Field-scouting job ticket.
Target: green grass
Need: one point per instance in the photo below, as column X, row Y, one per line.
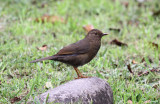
column 20, row 35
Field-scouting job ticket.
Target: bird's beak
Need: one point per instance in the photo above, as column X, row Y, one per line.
column 105, row 34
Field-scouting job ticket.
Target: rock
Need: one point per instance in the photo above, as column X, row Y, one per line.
column 80, row 91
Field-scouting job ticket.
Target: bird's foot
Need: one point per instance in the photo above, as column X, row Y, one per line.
column 79, row 74
column 82, row 76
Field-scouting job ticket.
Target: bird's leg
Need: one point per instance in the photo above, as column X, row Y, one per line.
column 79, row 74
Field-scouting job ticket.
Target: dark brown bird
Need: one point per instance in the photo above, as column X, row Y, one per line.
column 79, row 53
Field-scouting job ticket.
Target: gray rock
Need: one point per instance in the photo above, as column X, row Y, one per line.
column 80, row 91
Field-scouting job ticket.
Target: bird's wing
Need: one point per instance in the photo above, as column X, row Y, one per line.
column 79, row 47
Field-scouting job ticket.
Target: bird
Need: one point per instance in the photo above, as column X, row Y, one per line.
column 79, row 53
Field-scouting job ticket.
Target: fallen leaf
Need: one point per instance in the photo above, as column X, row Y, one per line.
column 156, row 13
column 115, row 29
column 129, row 102
column 158, row 35
column 149, row 59
column 139, row 73
column 52, row 19
column 54, row 34
column 133, row 22
column 48, row 85
column 156, row 85
column 10, row 76
column 87, row 28
column 44, row 5
column 148, row 101
column 15, row 99
column 118, row 43
column 34, row 2
column 125, row 4
column 129, row 68
column 147, row 72
column 134, row 62
column 43, row 48
column 154, row 44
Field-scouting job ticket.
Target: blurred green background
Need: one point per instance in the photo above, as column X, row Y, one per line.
column 134, row 22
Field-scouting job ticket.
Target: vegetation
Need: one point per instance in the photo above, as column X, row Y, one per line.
column 132, row 22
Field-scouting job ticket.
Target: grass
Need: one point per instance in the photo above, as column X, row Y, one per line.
column 20, row 35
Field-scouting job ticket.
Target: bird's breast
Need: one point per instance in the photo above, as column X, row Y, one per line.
column 95, row 46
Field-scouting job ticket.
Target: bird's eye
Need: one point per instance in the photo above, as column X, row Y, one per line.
column 96, row 34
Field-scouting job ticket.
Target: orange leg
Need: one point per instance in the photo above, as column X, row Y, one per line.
column 79, row 74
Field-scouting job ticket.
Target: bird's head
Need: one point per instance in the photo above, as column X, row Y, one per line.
column 95, row 34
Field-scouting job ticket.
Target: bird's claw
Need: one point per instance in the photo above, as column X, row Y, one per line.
column 82, row 76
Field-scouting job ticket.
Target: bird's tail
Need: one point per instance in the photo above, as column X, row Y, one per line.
column 45, row 58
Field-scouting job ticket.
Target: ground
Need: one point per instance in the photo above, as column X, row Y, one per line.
column 135, row 23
